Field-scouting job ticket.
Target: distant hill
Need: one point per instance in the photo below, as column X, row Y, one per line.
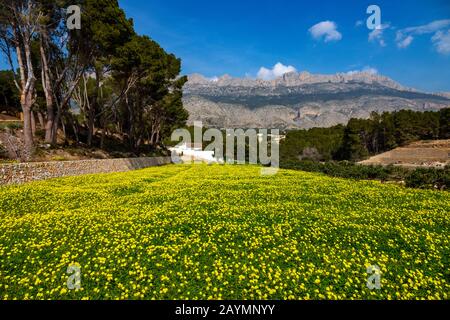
column 433, row 153
column 300, row 100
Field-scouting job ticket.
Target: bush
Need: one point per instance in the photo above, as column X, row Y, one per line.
column 429, row 178
column 423, row 178
column 341, row 169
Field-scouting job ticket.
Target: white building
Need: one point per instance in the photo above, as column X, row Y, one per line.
column 188, row 152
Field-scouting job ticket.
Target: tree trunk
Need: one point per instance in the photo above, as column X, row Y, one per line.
column 40, row 119
column 63, row 126
column 91, row 128
column 33, row 124
column 153, row 137
column 102, row 138
column 94, row 106
column 54, row 140
column 27, row 132
column 49, row 131
column 26, row 101
column 74, row 125
column 21, row 21
column 48, row 91
column 157, row 137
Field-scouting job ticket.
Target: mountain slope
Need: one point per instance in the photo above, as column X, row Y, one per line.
column 300, row 100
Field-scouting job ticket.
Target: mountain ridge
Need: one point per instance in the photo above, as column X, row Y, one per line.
column 297, row 78
column 300, row 100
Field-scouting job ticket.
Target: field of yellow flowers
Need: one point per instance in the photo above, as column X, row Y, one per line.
column 222, row 232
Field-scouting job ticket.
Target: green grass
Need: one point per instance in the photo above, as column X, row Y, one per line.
column 211, row 232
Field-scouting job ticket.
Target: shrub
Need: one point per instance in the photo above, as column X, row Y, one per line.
column 429, row 178
column 423, row 178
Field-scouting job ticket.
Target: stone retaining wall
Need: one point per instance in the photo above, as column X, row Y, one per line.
column 31, row 171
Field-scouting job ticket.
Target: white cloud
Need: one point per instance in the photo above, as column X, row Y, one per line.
column 441, row 41
column 370, row 70
column 428, row 28
column 405, row 36
column 404, row 43
column 377, row 35
column 326, row 30
column 359, row 23
column 278, row 70
column 366, row 69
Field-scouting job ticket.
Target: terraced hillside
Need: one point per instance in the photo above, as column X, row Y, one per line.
column 433, row 153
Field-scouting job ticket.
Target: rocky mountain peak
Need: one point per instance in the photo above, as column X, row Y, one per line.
column 300, row 99
column 294, row 79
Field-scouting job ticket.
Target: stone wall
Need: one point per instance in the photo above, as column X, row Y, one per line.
column 31, row 171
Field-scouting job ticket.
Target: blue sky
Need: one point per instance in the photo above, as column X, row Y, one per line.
column 239, row 37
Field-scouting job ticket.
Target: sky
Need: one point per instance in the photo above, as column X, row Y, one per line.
column 266, row 38
column 248, row 38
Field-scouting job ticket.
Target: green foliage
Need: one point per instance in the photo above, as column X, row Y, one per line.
column 423, row 178
column 353, row 146
column 412, row 126
column 104, row 29
column 325, row 140
column 363, row 137
column 341, row 169
column 9, row 95
column 428, row 178
column 101, row 83
column 444, row 124
column 152, row 107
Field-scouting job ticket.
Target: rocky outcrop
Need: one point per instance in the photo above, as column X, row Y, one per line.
column 293, row 79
